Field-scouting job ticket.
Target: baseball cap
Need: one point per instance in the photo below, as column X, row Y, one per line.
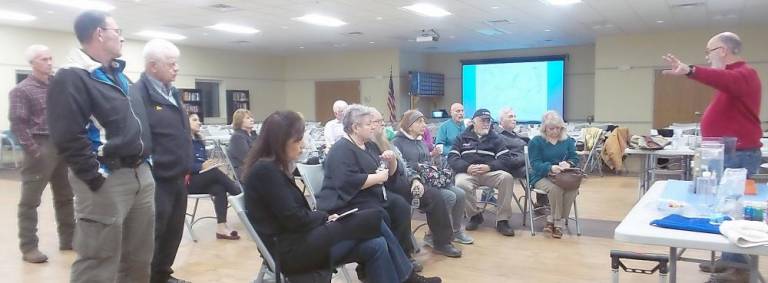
column 482, row 112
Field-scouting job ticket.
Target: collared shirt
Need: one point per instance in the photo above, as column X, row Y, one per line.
column 333, row 131
column 166, row 91
column 447, row 134
column 28, row 111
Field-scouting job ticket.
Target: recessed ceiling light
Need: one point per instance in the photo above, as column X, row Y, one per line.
column 160, row 34
column 547, row 30
column 301, row 47
column 16, row 16
column 561, row 2
column 320, row 20
column 82, row 4
column 49, row 12
column 205, row 34
column 379, row 18
column 234, row 28
column 284, row 27
column 371, row 42
column 428, row 10
column 495, row 7
column 659, row 22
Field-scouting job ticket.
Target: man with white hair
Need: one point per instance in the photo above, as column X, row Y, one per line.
column 42, row 163
column 171, row 151
column 451, row 129
column 480, row 158
column 734, row 111
column 333, row 128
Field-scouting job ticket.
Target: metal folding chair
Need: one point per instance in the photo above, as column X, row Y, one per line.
column 529, row 201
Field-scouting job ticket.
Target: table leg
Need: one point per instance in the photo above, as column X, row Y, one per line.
column 643, row 177
column 754, row 274
column 672, row 264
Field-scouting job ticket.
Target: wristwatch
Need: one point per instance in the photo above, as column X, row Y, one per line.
column 690, row 70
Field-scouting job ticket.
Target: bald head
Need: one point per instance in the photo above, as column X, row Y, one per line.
column 457, row 112
column 729, row 40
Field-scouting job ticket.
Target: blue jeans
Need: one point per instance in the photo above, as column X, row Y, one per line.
column 749, row 159
column 382, row 257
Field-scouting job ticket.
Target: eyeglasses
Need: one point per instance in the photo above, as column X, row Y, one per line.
column 712, row 50
column 118, row 31
column 379, row 121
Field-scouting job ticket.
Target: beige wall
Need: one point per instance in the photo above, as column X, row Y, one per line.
column 624, row 70
column 260, row 74
column 579, row 76
column 370, row 67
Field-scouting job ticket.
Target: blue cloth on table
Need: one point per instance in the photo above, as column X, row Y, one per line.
column 679, row 222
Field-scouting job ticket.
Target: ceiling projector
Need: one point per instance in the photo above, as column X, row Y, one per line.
column 428, row 35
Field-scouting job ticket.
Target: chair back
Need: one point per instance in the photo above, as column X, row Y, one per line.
column 238, row 204
column 312, row 177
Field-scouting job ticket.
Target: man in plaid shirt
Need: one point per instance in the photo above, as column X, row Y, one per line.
column 42, row 163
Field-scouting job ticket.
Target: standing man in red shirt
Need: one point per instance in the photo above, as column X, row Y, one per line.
column 42, row 163
column 734, row 111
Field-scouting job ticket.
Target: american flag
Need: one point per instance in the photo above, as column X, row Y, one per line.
column 391, row 100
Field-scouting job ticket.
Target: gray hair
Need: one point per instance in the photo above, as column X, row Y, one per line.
column 551, row 118
column 159, row 49
column 730, row 40
column 33, row 51
column 353, row 115
column 339, row 105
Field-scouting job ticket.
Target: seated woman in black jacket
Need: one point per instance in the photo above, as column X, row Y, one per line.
column 241, row 140
column 356, row 172
column 206, row 178
column 302, row 240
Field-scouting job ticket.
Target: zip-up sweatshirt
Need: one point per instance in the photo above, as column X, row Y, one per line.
column 92, row 116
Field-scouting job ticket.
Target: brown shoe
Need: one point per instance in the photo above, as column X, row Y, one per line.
column 231, row 236
column 557, row 233
column 34, row 256
column 549, row 228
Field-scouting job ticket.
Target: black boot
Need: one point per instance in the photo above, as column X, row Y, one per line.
column 474, row 222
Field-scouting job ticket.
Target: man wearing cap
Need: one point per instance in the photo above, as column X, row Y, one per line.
column 479, row 156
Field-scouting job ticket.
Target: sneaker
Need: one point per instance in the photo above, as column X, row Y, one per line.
column 549, row 228
column 733, row 275
column 462, row 238
column 474, row 222
column 177, row 280
column 415, row 278
column 34, row 256
column 417, row 267
column 447, row 250
column 718, row 267
column 428, row 240
column 503, row 228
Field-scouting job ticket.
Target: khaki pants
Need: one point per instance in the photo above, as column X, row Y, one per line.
column 36, row 173
column 560, row 201
column 501, row 180
column 114, row 234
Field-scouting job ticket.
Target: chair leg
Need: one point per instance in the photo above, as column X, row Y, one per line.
column 260, row 275
column 191, row 222
column 576, row 218
column 530, row 211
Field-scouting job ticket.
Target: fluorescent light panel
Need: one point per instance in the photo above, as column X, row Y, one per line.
column 160, row 34
column 320, row 20
column 16, row 16
column 561, row 2
column 233, row 28
column 426, row 9
column 82, row 4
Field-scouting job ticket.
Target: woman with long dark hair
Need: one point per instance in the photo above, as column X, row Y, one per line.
column 303, row 240
column 206, row 178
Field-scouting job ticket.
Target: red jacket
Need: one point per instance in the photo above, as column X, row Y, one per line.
column 735, row 109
